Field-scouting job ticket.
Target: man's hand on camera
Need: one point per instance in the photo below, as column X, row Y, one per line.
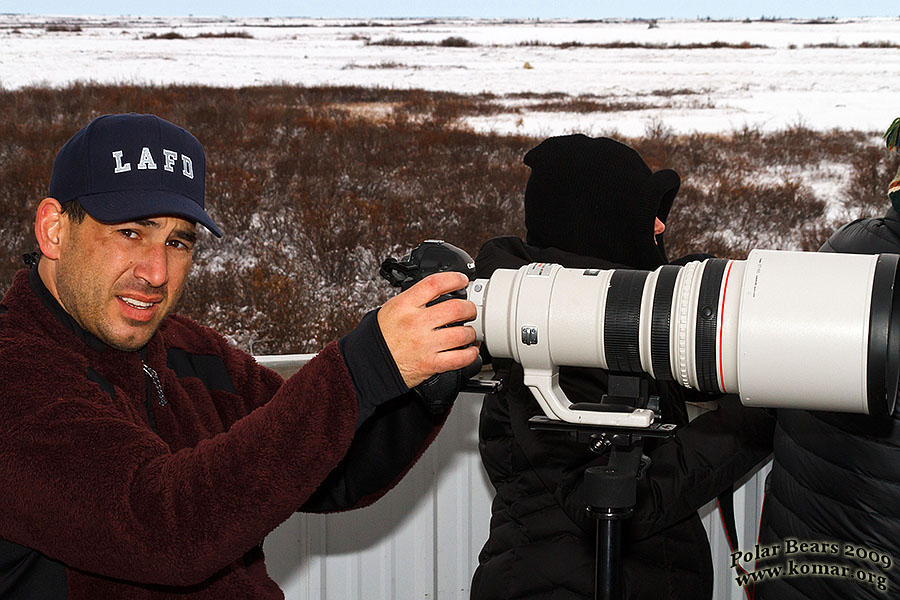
column 415, row 333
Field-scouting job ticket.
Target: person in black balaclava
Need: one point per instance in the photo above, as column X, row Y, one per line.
column 594, row 203
column 597, row 198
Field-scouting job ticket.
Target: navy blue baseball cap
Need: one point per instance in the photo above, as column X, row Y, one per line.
column 130, row 167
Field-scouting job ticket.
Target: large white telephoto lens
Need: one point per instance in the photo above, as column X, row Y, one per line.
column 816, row 331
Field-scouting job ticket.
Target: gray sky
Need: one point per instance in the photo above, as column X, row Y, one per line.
column 545, row 9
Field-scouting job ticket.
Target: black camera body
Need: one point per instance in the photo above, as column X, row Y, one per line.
column 435, row 256
column 429, row 257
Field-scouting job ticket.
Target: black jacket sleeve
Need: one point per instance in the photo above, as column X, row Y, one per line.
column 393, row 428
column 375, row 375
column 703, row 459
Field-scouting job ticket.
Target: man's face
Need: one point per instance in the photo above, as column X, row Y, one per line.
column 119, row 281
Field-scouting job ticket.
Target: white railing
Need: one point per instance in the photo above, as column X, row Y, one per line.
column 421, row 540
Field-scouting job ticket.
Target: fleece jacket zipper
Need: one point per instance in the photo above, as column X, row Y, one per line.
column 152, row 382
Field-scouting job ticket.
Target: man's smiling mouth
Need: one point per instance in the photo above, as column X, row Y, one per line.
column 134, row 303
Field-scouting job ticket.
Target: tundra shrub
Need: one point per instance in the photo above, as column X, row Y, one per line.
column 314, row 187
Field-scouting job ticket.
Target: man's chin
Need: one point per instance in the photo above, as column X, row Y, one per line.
column 133, row 339
column 127, row 345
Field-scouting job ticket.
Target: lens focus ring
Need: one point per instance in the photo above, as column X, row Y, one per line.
column 660, row 327
column 621, row 337
column 682, row 320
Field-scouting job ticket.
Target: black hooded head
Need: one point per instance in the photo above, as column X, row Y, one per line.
column 597, row 197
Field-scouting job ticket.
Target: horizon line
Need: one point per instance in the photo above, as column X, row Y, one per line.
column 824, row 19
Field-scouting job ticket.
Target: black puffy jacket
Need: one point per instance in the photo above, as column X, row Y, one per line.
column 541, row 543
column 836, row 478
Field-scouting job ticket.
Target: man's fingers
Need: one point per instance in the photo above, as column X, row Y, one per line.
column 434, row 285
column 455, row 359
column 450, row 311
column 453, row 337
column 416, row 335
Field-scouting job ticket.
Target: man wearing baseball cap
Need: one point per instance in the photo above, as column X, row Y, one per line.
column 143, row 457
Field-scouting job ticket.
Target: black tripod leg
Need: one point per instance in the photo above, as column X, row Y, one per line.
column 611, row 495
column 608, row 574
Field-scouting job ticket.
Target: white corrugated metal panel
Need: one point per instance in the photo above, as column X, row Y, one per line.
column 748, row 499
column 421, row 540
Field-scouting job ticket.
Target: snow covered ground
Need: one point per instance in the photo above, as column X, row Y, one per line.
column 808, row 73
column 785, row 82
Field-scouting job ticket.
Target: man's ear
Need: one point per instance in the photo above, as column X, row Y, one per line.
column 48, row 223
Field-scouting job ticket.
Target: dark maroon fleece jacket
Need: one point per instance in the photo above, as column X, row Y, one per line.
column 101, row 499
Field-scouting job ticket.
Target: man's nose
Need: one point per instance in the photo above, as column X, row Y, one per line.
column 153, row 266
column 658, row 227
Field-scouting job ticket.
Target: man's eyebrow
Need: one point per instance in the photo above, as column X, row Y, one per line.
column 188, row 235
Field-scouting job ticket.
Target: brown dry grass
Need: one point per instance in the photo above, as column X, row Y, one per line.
column 312, row 192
